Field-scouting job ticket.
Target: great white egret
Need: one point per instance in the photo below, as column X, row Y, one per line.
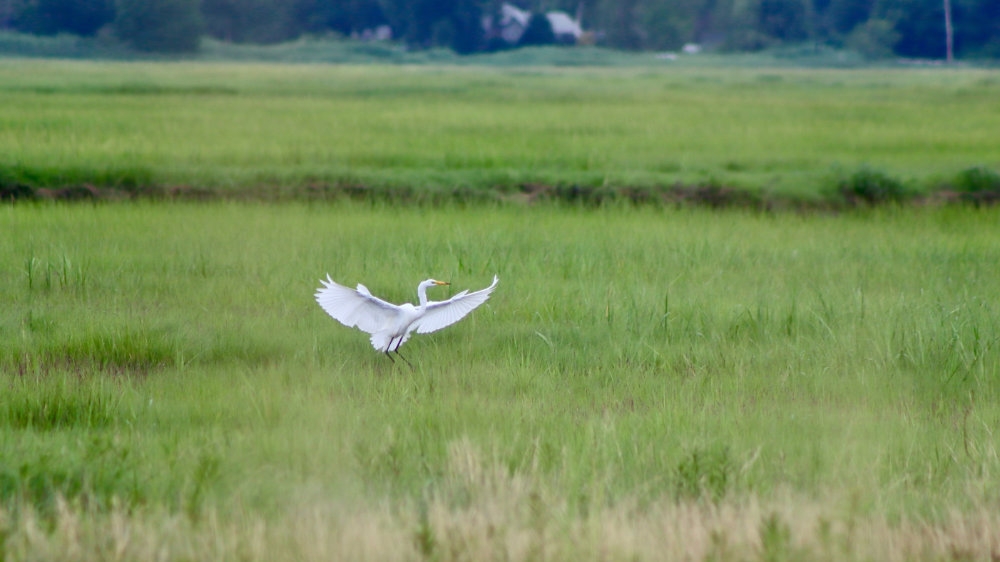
column 389, row 324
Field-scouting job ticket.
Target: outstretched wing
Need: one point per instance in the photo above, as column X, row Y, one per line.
column 357, row 307
column 445, row 313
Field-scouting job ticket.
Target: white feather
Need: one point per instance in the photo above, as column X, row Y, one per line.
column 355, row 307
column 445, row 313
column 390, row 325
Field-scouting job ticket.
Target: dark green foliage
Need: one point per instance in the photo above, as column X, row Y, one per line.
column 842, row 16
column 12, row 190
column 80, row 17
column 167, row 26
column 249, row 21
column 978, row 185
column 920, row 24
column 979, row 29
column 538, row 32
column 623, row 26
column 430, row 23
column 468, row 35
column 782, row 19
column 345, row 17
column 919, row 27
column 872, row 187
column 19, row 182
column 766, row 23
column 668, row 26
column 875, row 38
column 977, row 179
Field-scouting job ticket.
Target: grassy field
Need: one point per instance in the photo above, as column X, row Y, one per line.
column 259, row 127
column 645, row 384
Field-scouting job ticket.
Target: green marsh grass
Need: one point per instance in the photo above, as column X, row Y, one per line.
column 644, row 384
column 254, row 127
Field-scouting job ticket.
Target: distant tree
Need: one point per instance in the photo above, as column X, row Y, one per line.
column 711, row 24
column 977, row 26
column 668, row 25
column 757, row 24
column 46, row 17
column 414, row 21
column 874, row 38
column 345, row 16
column 249, row 21
column 445, row 23
column 467, row 22
column 919, row 23
column 169, row 26
column 538, row 32
column 842, row 16
column 621, row 21
column 782, row 19
column 743, row 32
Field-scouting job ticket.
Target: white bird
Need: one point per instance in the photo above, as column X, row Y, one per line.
column 390, row 325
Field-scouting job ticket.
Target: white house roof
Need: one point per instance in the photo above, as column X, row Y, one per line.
column 514, row 21
column 563, row 24
column 510, row 13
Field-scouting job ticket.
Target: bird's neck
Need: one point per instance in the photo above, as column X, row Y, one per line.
column 422, row 294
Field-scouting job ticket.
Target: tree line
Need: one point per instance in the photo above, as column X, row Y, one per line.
column 908, row 28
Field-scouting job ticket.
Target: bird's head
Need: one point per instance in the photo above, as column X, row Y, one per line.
column 424, row 285
column 433, row 282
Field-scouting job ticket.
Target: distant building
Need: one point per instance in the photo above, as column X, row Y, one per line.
column 565, row 28
column 512, row 22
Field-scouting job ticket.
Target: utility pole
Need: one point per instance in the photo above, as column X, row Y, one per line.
column 948, row 33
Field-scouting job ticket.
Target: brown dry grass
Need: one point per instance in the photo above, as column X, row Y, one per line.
column 490, row 514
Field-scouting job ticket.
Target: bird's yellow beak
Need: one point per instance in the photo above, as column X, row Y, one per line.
column 441, row 283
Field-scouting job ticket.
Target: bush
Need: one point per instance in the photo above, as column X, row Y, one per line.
column 872, row 187
column 978, row 179
column 12, row 191
column 163, row 26
column 979, row 186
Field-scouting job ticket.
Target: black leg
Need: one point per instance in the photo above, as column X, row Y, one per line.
column 400, row 355
column 388, row 348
